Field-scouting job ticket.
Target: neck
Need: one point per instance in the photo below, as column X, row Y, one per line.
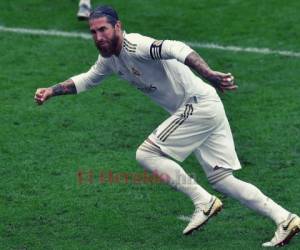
column 119, row 45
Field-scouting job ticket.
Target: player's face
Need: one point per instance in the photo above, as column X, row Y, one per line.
column 106, row 36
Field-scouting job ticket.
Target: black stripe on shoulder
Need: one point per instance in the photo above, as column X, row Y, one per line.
column 129, row 49
column 129, row 43
column 155, row 49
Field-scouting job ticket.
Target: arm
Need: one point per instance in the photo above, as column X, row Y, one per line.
column 75, row 84
column 150, row 49
column 178, row 50
column 219, row 80
column 65, row 88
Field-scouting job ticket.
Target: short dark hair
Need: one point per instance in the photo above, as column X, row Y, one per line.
column 105, row 11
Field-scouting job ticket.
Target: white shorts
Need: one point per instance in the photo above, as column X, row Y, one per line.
column 199, row 126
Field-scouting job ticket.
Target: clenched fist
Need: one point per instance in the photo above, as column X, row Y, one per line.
column 42, row 94
column 222, row 81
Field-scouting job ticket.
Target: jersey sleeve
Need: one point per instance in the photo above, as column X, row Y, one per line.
column 93, row 77
column 163, row 49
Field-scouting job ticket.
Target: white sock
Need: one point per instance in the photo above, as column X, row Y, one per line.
column 158, row 163
column 85, row 2
column 251, row 197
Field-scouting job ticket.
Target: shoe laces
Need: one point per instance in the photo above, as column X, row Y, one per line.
column 196, row 212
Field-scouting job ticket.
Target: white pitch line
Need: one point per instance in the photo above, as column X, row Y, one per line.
column 184, row 218
column 82, row 35
column 265, row 51
column 46, row 32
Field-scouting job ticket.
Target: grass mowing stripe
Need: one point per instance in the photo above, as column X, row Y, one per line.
column 82, row 35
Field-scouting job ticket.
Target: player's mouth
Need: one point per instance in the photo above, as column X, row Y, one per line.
column 104, row 48
column 103, row 45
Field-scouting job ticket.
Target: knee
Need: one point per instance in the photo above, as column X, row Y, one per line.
column 219, row 187
column 222, row 185
column 140, row 155
column 219, row 178
column 143, row 154
column 147, row 151
column 235, row 188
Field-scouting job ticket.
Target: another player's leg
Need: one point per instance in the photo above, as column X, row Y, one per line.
column 153, row 159
column 84, row 10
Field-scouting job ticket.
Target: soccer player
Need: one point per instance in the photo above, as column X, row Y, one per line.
column 84, row 10
column 197, row 122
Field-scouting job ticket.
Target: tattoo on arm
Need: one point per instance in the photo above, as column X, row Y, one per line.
column 64, row 88
column 195, row 61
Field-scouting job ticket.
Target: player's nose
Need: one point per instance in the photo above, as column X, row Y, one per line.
column 99, row 37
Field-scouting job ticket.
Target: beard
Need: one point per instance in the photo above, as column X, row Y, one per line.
column 108, row 48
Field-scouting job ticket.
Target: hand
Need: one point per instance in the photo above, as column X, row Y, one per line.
column 42, row 94
column 222, row 81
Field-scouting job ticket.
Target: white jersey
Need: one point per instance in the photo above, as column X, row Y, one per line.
column 155, row 67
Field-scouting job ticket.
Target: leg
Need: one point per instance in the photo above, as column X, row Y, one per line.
column 251, row 197
column 85, row 2
column 153, row 159
column 177, row 137
column 288, row 224
column 84, row 10
column 219, row 151
column 218, row 159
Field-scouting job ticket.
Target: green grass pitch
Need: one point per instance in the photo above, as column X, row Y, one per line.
column 42, row 149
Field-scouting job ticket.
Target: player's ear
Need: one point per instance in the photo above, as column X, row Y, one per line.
column 118, row 26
